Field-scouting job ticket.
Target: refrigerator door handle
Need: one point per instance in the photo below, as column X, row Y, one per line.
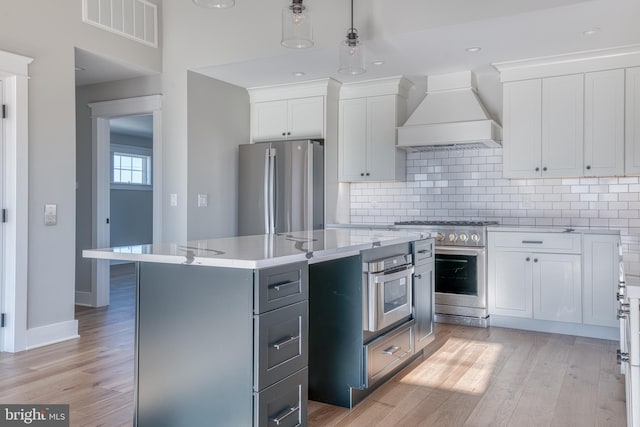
column 267, row 209
column 272, row 191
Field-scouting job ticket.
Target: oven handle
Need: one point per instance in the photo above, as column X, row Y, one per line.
column 381, row 278
column 453, row 250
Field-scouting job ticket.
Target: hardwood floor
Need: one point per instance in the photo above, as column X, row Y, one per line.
column 471, row 377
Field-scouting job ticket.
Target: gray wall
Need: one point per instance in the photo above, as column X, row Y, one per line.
column 218, row 121
column 84, row 95
column 131, row 211
column 48, row 31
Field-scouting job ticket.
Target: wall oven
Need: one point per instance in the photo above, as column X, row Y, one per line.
column 388, row 292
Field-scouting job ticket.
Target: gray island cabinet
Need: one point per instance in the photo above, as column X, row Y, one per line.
column 222, row 325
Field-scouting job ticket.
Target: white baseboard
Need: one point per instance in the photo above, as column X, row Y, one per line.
column 51, row 334
column 577, row 329
column 85, row 298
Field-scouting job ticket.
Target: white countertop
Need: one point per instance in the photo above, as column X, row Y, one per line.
column 261, row 250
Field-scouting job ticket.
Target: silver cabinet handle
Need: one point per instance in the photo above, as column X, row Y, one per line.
column 280, row 286
column 285, row 342
column 285, row 414
column 391, row 350
column 418, row 276
column 532, row 242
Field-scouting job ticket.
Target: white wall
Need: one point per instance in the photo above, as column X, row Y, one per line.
column 48, row 32
column 141, row 86
column 218, row 121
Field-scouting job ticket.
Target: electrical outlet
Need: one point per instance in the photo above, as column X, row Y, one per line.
column 527, row 203
column 50, row 214
column 203, row 200
column 173, row 199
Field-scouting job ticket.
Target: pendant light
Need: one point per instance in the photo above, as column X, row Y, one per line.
column 352, row 52
column 297, row 32
column 218, row 4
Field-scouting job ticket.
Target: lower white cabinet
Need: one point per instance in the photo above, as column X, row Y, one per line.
column 542, row 286
column 600, row 266
column 557, row 287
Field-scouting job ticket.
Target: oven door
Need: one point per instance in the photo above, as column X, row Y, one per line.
column 460, row 277
column 390, row 298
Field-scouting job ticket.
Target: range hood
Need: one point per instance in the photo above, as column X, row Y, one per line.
column 451, row 116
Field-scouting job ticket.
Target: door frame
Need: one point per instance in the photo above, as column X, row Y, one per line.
column 14, row 74
column 101, row 113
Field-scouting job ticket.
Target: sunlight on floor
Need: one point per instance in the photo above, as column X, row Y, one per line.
column 476, row 360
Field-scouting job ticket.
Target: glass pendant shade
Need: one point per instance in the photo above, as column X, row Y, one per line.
column 352, row 54
column 218, row 4
column 297, row 31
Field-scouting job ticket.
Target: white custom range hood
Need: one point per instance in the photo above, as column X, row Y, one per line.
column 450, row 116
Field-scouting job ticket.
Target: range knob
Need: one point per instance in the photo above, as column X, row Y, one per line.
column 452, row 237
column 475, row 238
column 439, row 237
column 464, row 237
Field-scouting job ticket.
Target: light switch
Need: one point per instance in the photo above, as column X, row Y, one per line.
column 173, row 199
column 203, row 200
column 50, row 214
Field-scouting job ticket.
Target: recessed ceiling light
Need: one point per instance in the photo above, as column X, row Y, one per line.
column 473, row 49
column 377, row 63
column 79, row 68
column 298, row 73
column 591, row 31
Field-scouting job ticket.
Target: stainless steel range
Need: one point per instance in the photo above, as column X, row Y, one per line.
column 460, row 269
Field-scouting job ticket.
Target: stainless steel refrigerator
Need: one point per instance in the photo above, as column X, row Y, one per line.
column 281, row 186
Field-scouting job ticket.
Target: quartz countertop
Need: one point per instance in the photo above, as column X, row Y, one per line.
column 261, row 250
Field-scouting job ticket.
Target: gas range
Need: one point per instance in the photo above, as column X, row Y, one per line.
column 453, row 233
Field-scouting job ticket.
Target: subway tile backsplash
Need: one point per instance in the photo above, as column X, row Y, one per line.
column 468, row 185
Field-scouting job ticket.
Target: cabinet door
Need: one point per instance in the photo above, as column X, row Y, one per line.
column 522, row 129
column 562, row 125
column 604, row 123
column 381, row 137
column 269, row 120
column 600, row 279
column 510, row 283
column 306, row 118
column 557, row 287
column 352, row 139
column 632, row 122
column 423, row 304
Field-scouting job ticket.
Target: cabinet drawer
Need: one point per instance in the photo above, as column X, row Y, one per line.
column 537, row 242
column 385, row 353
column 280, row 344
column 423, row 251
column 280, row 286
column 283, row 404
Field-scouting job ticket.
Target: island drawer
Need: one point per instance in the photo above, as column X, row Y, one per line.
column 422, row 251
column 283, row 404
column 280, row 344
column 385, row 353
column 280, row 286
column 537, row 242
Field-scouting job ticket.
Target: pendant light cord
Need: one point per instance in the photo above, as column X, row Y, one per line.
column 351, row 14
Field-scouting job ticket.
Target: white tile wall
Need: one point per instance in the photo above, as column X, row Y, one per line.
column 468, row 185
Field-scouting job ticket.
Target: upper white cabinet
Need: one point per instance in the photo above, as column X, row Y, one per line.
column 369, row 113
column 572, row 116
column 543, row 127
column 632, row 114
column 288, row 119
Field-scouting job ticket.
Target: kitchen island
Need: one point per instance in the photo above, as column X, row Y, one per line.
column 222, row 324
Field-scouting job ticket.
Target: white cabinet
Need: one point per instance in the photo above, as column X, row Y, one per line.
column 510, row 283
column 369, row 113
column 535, row 276
column 604, row 123
column 288, row 119
column 557, row 287
column 543, row 127
column 600, row 260
column 632, row 114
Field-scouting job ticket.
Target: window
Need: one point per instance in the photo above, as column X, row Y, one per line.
column 130, row 166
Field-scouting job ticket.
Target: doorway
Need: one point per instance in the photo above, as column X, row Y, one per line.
column 102, row 116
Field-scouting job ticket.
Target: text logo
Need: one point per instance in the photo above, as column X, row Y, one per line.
column 34, row 415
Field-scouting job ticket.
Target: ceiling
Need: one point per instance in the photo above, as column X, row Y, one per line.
column 416, row 38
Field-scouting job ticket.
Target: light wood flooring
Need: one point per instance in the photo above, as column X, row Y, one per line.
column 471, row 377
